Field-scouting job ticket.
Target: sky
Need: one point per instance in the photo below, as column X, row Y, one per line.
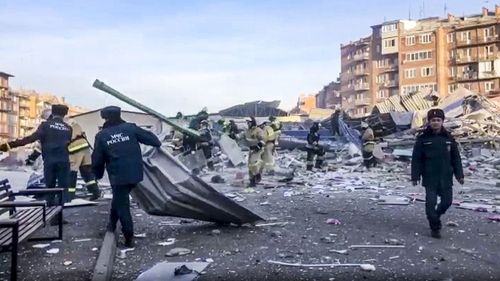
column 183, row 55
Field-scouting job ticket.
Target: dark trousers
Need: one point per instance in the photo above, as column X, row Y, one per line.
column 368, row 159
column 432, row 211
column 56, row 173
column 319, row 153
column 207, row 151
column 120, row 210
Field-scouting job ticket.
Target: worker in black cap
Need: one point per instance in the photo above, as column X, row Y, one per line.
column 54, row 136
column 435, row 160
column 117, row 149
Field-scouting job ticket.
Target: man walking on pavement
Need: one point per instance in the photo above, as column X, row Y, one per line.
column 368, row 140
column 80, row 160
column 254, row 137
column 314, row 149
column 435, row 160
column 54, row 136
column 117, row 149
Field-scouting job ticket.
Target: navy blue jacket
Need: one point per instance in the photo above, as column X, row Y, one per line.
column 436, row 159
column 117, row 148
column 54, row 136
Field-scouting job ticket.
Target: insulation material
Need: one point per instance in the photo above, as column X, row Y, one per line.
column 169, row 189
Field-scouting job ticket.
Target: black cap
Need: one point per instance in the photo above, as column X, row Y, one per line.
column 110, row 112
column 435, row 112
column 59, row 109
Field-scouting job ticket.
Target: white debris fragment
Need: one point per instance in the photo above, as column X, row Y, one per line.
column 367, row 267
column 53, row 251
column 82, row 240
column 95, row 249
column 209, row 260
column 170, row 241
column 40, row 246
column 342, row 252
column 140, row 235
column 68, row 263
column 123, row 253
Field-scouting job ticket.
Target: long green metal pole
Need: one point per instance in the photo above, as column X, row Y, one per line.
column 107, row 89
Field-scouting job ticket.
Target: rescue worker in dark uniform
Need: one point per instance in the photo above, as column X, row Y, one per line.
column 206, row 144
column 233, row 130
column 335, row 123
column 314, row 149
column 117, row 149
column 54, row 136
column 435, row 160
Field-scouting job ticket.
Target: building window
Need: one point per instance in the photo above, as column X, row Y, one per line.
column 426, row 71
column 451, row 71
column 488, row 66
column 450, row 37
column 488, row 50
column 410, row 73
column 488, row 86
column 389, row 27
column 410, row 40
column 381, row 63
column 388, row 43
column 452, row 88
column 426, row 38
column 378, row 48
column 466, row 35
column 422, row 55
column 381, row 94
column 489, row 32
column 451, row 54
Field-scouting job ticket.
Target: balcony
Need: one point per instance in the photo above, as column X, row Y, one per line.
column 465, row 60
column 467, row 77
column 389, row 84
column 488, row 74
column 24, row 104
column 363, row 56
column 362, row 102
column 488, row 57
column 390, row 68
column 465, row 43
column 361, row 87
column 361, row 72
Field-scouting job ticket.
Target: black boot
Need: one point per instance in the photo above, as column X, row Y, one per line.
column 309, row 167
column 94, row 190
column 436, row 233
column 129, row 242
column 258, row 178
column 252, row 181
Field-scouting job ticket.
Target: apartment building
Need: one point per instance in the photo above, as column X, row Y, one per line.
column 8, row 101
column 475, row 56
column 355, row 76
column 329, row 97
column 425, row 55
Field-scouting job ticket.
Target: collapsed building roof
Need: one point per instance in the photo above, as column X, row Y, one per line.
column 255, row 108
column 409, row 102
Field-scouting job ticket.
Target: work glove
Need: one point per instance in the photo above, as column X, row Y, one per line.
column 29, row 162
column 4, row 147
column 461, row 181
column 414, row 183
column 260, row 145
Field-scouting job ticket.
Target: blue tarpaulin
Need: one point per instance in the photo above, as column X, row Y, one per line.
column 351, row 135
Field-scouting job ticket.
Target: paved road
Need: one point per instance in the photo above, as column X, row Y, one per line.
column 470, row 251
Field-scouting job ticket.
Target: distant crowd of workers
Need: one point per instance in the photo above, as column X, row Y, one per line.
column 66, row 151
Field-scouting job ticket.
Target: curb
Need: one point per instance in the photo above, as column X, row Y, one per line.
column 103, row 270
